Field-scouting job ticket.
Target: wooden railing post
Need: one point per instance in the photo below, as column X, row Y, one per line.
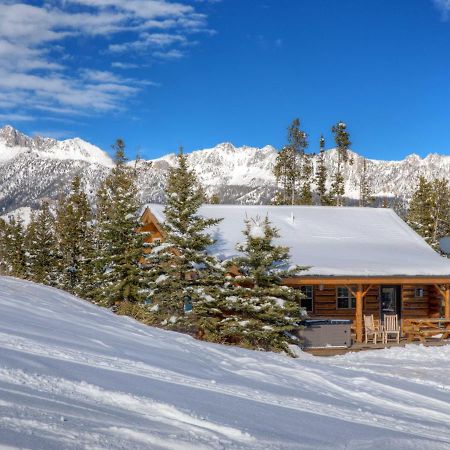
column 359, row 314
column 447, row 302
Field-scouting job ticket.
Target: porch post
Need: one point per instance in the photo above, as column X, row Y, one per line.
column 359, row 314
column 447, row 302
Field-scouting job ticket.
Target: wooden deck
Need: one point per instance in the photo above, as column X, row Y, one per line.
column 333, row 351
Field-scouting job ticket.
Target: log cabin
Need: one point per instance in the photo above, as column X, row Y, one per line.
column 359, row 261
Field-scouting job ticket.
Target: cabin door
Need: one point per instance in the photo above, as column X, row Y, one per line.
column 390, row 301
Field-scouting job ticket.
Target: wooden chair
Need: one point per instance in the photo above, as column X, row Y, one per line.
column 391, row 327
column 372, row 328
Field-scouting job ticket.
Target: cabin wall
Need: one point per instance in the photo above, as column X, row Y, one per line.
column 429, row 305
column 416, row 307
column 325, row 303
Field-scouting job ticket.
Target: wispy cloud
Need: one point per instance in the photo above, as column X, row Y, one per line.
column 444, row 7
column 16, row 118
column 39, row 70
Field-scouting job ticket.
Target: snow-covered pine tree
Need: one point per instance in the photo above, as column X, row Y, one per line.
column 365, row 188
column 13, row 247
column 119, row 246
column 342, row 140
column 255, row 309
column 74, row 235
column 321, row 175
column 181, row 270
column 41, row 247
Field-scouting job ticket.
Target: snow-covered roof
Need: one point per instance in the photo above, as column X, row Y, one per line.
column 344, row 241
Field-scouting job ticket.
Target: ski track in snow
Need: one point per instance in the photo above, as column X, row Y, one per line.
column 76, row 376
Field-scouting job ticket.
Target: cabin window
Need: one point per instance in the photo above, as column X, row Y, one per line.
column 156, row 241
column 418, row 292
column 345, row 299
column 308, row 297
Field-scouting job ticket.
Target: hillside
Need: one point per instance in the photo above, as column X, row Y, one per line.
column 35, row 168
column 73, row 375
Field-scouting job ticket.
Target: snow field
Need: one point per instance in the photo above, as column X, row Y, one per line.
column 73, row 375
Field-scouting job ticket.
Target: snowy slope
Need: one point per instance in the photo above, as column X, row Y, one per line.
column 76, row 376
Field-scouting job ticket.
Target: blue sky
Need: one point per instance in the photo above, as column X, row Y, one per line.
column 161, row 74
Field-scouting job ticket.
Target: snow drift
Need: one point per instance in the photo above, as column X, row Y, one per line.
column 73, row 375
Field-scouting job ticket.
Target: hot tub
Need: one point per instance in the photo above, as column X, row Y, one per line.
column 319, row 333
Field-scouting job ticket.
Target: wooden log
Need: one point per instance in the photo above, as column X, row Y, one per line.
column 447, row 303
column 359, row 314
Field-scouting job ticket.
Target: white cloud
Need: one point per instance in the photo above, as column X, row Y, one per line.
column 121, row 65
column 16, row 118
column 444, row 7
column 170, row 54
column 38, row 70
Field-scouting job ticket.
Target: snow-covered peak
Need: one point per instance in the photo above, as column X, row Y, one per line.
column 226, row 164
column 14, row 143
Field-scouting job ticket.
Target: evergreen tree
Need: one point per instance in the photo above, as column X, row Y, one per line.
column 298, row 142
column 119, row 245
column 441, row 211
column 419, row 216
column 255, row 309
column 321, row 175
column 41, row 247
column 286, row 173
column 429, row 210
column 180, row 268
column 3, row 250
column 365, row 189
column 13, row 247
column 293, row 168
column 342, row 140
column 74, row 233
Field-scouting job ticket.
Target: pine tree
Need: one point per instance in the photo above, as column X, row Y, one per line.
column 256, row 310
column 298, row 141
column 119, row 245
column 286, row 172
column 429, row 210
column 293, row 168
column 3, row 248
column 365, row 189
column 13, row 247
column 441, row 211
column 41, row 247
column 321, row 175
column 180, row 268
column 74, row 234
column 419, row 216
column 342, row 140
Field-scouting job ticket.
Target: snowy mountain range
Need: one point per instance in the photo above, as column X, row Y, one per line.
column 34, row 168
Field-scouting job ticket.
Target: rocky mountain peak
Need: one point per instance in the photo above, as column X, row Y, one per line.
column 13, row 137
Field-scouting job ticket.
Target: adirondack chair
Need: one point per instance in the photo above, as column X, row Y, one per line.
column 391, row 327
column 372, row 328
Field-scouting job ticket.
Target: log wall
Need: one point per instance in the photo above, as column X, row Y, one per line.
column 324, row 302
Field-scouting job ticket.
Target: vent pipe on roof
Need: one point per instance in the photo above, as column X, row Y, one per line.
column 292, row 217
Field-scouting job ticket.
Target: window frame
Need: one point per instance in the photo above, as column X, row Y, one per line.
column 351, row 300
column 307, row 298
column 419, row 290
